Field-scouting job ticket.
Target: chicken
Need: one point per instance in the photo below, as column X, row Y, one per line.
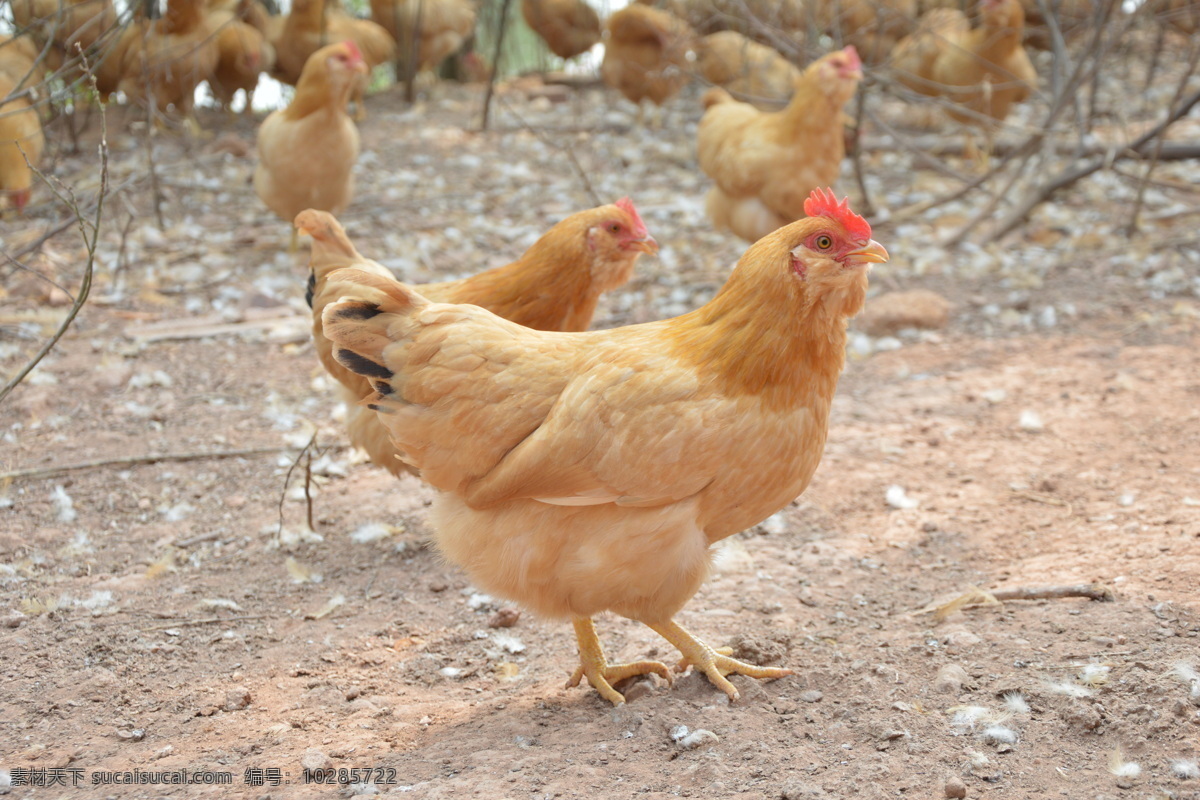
column 872, row 26
column 569, row 27
column 243, row 55
column 647, row 54
column 312, row 24
column 306, row 152
column 554, row 286
column 765, row 21
column 66, row 24
column 589, row 472
column 445, row 26
column 746, row 69
column 982, row 71
column 21, row 144
column 765, row 164
column 163, row 61
column 21, row 61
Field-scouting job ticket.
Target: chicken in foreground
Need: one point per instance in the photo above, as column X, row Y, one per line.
column 765, row 164
column 554, row 286
column 21, row 144
column 982, row 71
column 647, row 55
column 591, row 472
column 569, row 27
column 306, row 152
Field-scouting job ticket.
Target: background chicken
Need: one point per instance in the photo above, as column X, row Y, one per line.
column 982, row 71
column 872, row 26
column 306, row 152
column 750, row 71
column 21, row 62
column 765, row 164
column 647, row 54
column 569, row 27
column 243, row 55
column 21, row 144
column 66, row 24
column 313, row 24
column 554, row 286
column 590, row 472
column 164, row 60
column 765, row 21
column 445, row 27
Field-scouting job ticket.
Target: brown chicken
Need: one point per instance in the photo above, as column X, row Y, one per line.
column 445, row 27
column 163, row 61
column 982, row 71
column 591, row 472
column 313, row 24
column 647, row 55
column 554, row 286
column 749, row 71
column 872, row 26
column 67, row 23
column 21, row 144
column 765, row 164
column 21, row 61
column 244, row 54
column 569, row 27
column 306, row 152
column 765, row 21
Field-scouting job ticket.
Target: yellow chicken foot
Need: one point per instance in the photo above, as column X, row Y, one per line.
column 716, row 664
column 600, row 674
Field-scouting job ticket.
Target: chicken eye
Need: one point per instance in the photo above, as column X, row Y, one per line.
column 824, row 242
column 614, row 227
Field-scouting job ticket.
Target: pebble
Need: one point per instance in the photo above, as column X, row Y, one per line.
column 638, row 690
column 1031, row 422
column 811, row 696
column 697, row 738
column 504, row 618
column 955, row 788
column 314, row 760
column 950, row 679
column 237, row 698
column 893, row 312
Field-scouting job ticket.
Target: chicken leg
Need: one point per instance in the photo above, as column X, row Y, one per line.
column 602, row 675
column 715, row 664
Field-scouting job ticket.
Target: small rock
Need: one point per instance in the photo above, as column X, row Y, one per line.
column 892, row 312
column 950, row 679
column 1031, row 422
column 697, row 738
column 811, row 696
column 638, row 690
column 237, row 698
column 438, row 586
column 314, row 760
column 955, row 788
column 504, row 618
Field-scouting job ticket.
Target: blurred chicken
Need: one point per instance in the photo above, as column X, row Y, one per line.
column 445, row 27
column 569, row 27
column 769, row 22
column 312, row 24
column 164, row 60
column 591, row 472
column 872, row 26
column 765, row 164
column 983, row 71
column 21, row 61
column 306, row 152
column 554, row 286
column 1183, row 15
column 21, row 144
column 67, row 24
column 746, row 69
column 244, row 55
column 647, row 55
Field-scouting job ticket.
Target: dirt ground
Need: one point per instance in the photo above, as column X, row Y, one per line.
column 154, row 616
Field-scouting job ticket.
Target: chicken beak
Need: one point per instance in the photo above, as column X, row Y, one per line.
column 870, row 253
column 644, row 245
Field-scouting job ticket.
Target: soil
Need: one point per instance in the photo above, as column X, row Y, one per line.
column 169, row 609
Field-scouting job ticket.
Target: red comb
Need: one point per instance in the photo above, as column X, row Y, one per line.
column 823, row 203
column 852, row 54
column 626, row 205
column 353, row 48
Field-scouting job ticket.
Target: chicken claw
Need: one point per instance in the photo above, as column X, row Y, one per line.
column 602, row 675
column 716, row 664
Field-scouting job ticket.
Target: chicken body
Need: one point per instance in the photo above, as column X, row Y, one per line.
column 21, row 62
column 982, row 70
column 21, row 144
column 872, row 26
column 585, row 472
column 569, row 27
column 306, row 152
column 765, row 164
column 445, row 27
column 66, row 24
column 243, row 53
column 747, row 69
column 646, row 54
column 554, row 286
